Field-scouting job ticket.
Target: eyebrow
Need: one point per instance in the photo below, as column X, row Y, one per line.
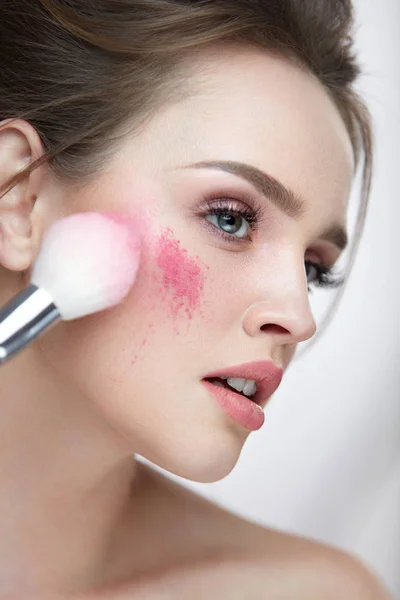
column 284, row 198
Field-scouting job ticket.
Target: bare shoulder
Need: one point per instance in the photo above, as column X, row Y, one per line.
column 274, row 564
column 240, row 560
column 294, row 567
column 307, row 572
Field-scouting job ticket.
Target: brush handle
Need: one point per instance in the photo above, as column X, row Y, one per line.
column 21, row 320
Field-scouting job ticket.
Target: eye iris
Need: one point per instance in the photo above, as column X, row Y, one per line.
column 309, row 271
column 230, row 223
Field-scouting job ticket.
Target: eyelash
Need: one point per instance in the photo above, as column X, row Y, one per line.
column 325, row 276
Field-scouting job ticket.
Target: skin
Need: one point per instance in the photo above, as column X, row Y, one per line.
column 80, row 402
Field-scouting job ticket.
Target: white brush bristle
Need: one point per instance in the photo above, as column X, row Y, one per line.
column 88, row 262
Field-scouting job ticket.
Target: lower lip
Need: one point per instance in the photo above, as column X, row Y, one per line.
column 245, row 412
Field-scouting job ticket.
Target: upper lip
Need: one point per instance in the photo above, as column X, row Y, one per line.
column 264, row 372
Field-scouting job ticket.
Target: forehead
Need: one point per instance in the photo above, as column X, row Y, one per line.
column 247, row 105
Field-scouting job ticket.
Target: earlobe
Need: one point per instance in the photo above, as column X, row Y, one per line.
column 15, row 242
column 19, row 145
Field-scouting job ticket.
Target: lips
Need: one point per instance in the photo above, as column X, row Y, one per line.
column 264, row 372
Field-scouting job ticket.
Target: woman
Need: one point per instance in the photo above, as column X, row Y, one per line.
column 231, row 131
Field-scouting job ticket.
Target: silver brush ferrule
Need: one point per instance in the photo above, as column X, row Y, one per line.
column 24, row 318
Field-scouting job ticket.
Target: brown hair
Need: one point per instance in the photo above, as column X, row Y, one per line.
column 80, row 70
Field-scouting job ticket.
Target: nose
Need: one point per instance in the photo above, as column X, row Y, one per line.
column 286, row 317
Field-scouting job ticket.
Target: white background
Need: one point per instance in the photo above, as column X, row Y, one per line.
column 326, row 463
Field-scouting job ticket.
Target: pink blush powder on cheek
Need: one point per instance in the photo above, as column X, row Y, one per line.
column 182, row 274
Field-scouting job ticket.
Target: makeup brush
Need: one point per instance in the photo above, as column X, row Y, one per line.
column 87, row 263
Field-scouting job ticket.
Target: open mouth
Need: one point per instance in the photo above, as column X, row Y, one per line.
column 255, row 381
column 243, row 387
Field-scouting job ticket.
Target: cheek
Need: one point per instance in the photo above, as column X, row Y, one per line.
column 180, row 277
column 173, row 296
column 165, row 300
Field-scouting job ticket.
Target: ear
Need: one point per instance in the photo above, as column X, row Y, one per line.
column 20, row 144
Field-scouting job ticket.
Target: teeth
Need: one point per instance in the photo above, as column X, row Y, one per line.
column 247, row 386
column 219, row 383
column 237, row 383
column 250, row 388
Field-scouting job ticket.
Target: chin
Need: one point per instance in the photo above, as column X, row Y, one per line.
column 204, row 459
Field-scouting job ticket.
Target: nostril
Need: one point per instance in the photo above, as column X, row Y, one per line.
column 272, row 328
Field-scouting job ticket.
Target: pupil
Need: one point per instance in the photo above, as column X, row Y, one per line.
column 230, row 223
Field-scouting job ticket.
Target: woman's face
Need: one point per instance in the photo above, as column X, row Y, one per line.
column 214, row 289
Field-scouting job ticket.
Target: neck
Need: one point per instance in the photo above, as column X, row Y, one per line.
column 65, row 478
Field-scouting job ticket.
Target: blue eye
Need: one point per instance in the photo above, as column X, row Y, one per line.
column 235, row 222
column 231, row 222
column 232, row 219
